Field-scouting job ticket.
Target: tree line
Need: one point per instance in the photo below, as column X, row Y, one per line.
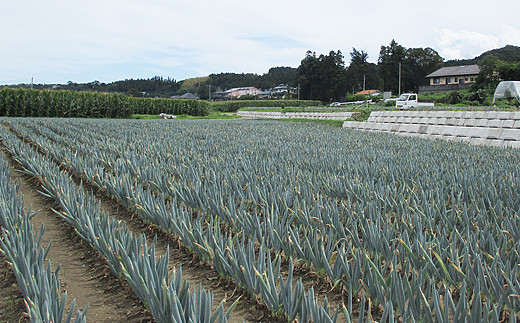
column 159, row 87
column 322, row 77
column 326, row 78
column 223, row 81
column 156, row 86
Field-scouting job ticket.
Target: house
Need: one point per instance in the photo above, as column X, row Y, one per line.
column 279, row 91
column 451, row 78
column 369, row 92
column 218, row 96
column 188, row 95
column 239, row 91
column 281, row 88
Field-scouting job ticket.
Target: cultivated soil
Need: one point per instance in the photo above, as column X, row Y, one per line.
column 84, row 276
column 87, row 279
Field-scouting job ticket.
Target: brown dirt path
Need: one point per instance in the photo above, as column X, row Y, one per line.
column 83, row 275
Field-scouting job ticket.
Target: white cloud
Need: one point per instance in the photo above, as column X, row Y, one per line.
column 468, row 44
column 59, row 40
column 510, row 35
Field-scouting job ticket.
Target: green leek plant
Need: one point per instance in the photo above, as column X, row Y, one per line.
column 128, row 256
column 39, row 285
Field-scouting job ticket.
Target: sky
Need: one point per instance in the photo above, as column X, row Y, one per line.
column 55, row 41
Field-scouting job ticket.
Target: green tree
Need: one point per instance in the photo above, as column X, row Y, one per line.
column 360, row 69
column 388, row 65
column 418, row 63
column 508, row 71
column 307, row 75
column 488, row 77
column 322, row 78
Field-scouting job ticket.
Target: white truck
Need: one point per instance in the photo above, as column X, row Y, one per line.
column 410, row 100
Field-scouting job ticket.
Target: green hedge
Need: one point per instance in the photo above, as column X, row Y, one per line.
column 356, row 97
column 70, row 104
column 233, row 106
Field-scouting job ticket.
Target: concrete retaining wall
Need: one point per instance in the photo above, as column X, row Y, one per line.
column 495, row 128
column 295, row 115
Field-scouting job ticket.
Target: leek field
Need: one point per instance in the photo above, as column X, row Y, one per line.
column 396, row 229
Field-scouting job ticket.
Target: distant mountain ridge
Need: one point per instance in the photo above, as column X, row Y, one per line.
column 508, row 53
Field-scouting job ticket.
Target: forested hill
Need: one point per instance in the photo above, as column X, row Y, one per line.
column 166, row 87
column 153, row 87
column 225, row 81
column 275, row 76
column 507, row 53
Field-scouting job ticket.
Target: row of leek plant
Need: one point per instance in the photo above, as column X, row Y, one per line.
column 367, row 265
column 434, row 260
column 154, row 210
column 39, row 285
column 500, row 239
column 496, row 284
column 254, row 273
column 168, row 298
column 353, row 272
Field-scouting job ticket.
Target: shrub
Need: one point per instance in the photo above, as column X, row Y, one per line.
column 233, row 106
column 479, row 96
column 355, row 97
column 361, row 115
column 389, row 103
column 454, row 97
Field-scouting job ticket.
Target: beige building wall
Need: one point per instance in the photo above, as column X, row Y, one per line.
column 452, row 80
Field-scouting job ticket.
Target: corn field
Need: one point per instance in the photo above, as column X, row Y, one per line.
column 404, row 229
column 57, row 103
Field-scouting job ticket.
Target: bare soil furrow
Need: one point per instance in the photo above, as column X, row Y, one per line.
column 84, row 276
column 193, row 270
column 246, row 309
column 12, row 307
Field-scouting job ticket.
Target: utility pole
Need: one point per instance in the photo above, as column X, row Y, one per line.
column 209, row 90
column 32, row 79
column 298, row 91
column 399, row 79
column 366, row 101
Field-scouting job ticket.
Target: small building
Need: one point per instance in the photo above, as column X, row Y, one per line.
column 188, row 95
column 369, row 92
column 279, row 91
column 281, row 88
column 218, row 96
column 451, row 78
